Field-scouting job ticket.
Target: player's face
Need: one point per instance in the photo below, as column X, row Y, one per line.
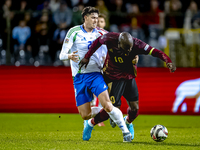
column 101, row 22
column 91, row 20
column 125, row 49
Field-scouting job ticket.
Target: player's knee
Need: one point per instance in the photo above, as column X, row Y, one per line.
column 108, row 107
column 85, row 116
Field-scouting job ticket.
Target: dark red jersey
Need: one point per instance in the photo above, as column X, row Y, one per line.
column 118, row 64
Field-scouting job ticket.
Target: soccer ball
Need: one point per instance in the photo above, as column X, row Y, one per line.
column 159, row 133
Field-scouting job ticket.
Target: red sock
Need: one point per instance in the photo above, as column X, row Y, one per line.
column 100, row 117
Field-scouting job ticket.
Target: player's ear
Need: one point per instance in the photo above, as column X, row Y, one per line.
column 85, row 17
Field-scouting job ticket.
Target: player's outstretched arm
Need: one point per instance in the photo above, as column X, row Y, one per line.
column 158, row 53
column 95, row 45
column 171, row 67
column 83, row 62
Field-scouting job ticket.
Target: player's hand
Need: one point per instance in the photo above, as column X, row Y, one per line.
column 171, row 67
column 83, row 62
column 135, row 60
column 73, row 56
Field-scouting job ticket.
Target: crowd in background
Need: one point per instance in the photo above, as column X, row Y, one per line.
column 33, row 31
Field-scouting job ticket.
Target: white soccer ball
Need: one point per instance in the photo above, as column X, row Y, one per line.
column 159, row 133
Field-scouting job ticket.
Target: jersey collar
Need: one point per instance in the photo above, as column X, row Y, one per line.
column 85, row 30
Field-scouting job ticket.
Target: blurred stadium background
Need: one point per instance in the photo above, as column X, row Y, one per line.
column 33, row 79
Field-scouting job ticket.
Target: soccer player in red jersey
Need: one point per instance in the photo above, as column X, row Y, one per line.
column 120, row 70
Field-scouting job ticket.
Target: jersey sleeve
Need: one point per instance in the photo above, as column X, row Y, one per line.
column 67, row 44
column 158, row 53
column 146, row 49
column 96, row 44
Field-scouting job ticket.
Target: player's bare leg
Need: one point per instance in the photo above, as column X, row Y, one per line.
column 114, row 113
column 94, row 109
column 132, row 112
column 85, row 111
column 101, row 123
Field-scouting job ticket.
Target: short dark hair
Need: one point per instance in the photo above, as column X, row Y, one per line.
column 88, row 10
column 102, row 16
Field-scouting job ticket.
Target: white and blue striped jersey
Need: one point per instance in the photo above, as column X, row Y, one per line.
column 78, row 39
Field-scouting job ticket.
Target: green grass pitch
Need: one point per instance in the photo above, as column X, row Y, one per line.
column 64, row 131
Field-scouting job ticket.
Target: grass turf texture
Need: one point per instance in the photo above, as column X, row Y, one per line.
column 64, row 131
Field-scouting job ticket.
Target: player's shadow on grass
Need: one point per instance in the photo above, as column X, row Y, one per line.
column 167, row 144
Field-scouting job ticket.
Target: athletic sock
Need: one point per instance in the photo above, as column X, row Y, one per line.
column 117, row 116
column 131, row 115
column 95, row 111
column 90, row 123
column 100, row 117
